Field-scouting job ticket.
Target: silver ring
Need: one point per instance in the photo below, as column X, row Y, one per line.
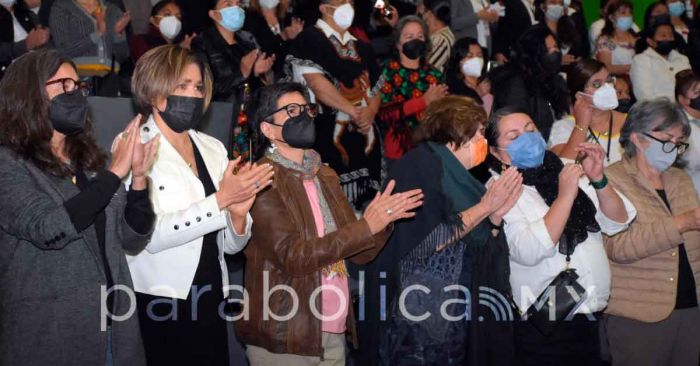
column 257, row 185
column 389, row 211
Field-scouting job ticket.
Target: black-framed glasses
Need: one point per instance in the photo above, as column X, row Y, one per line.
column 295, row 110
column 669, row 146
column 71, row 86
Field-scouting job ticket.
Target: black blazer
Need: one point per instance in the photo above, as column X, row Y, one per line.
column 225, row 61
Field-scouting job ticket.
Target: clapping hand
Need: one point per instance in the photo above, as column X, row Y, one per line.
column 386, row 207
column 244, row 184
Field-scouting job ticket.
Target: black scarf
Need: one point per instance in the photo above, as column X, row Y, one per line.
column 545, row 179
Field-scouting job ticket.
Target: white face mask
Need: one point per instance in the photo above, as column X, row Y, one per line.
column 7, row 3
column 473, row 66
column 269, row 4
column 170, row 26
column 343, row 16
column 605, row 98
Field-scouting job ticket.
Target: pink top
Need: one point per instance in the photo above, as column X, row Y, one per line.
column 333, row 316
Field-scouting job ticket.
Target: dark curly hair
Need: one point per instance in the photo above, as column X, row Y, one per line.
column 530, row 50
column 24, row 123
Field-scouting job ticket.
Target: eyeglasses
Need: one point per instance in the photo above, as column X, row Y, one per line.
column 71, row 86
column 295, row 110
column 596, row 84
column 669, row 146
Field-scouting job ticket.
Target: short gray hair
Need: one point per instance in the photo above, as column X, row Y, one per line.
column 412, row 19
column 652, row 115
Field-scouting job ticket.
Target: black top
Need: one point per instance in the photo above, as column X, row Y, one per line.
column 685, row 295
column 270, row 43
column 458, row 87
column 9, row 49
column 208, row 270
column 87, row 209
column 225, row 61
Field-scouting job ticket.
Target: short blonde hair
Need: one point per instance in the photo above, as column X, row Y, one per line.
column 158, row 72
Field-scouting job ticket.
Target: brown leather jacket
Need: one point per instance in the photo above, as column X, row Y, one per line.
column 285, row 244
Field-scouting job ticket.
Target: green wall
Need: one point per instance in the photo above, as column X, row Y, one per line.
column 592, row 7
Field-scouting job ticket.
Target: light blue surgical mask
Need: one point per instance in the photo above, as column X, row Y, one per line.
column 624, row 23
column 676, row 9
column 232, row 18
column 657, row 157
column 554, row 12
column 527, row 151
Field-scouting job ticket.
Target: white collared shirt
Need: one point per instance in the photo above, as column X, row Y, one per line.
column 653, row 76
column 535, row 259
column 19, row 33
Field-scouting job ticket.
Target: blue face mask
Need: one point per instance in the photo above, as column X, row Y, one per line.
column 624, row 23
column 232, row 18
column 676, row 9
column 527, row 151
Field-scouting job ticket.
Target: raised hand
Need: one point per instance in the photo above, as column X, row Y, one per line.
column 100, row 15
column 568, row 181
column 583, row 110
column 263, row 64
column 248, row 61
column 240, row 187
column 144, row 155
column 592, row 163
column 37, row 37
column 503, row 194
column 435, row 92
column 386, row 207
column 123, row 149
column 187, row 41
column 121, row 24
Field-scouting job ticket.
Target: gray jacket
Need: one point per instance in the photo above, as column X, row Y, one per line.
column 74, row 32
column 51, row 276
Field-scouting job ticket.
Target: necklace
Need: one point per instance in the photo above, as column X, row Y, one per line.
column 607, row 134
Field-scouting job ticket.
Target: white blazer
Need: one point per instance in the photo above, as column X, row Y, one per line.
column 184, row 215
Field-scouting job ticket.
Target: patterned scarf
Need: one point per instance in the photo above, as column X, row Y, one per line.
column 309, row 169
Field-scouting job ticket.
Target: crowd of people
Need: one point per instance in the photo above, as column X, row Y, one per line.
column 442, row 182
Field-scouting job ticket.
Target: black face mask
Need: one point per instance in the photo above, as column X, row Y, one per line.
column 663, row 48
column 695, row 103
column 551, row 63
column 183, row 113
column 68, row 113
column 414, row 49
column 624, row 105
column 299, row 132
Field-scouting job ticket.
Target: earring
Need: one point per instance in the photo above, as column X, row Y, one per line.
column 272, row 147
